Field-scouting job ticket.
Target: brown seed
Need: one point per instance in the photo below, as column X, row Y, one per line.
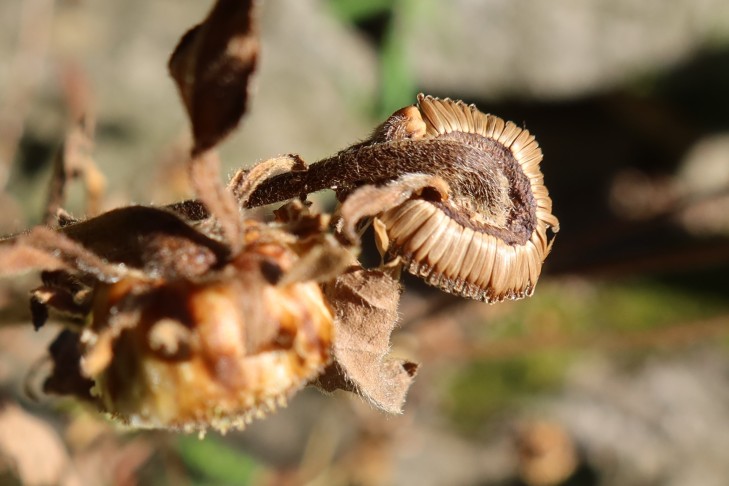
column 410, row 222
column 450, row 263
column 423, row 237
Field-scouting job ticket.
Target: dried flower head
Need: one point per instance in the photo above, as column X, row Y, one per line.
column 214, row 351
column 198, row 315
column 175, row 334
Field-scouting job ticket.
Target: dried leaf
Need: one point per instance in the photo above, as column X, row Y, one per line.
column 19, row 258
column 212, row 66
column 365, row 302
column 150, row 238
column 45, row 249
column 191, row 210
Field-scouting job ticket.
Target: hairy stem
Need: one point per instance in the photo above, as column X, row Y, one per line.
column 453, row 160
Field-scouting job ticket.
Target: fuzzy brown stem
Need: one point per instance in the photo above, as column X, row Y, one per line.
column 379, row 163
column 483, row 175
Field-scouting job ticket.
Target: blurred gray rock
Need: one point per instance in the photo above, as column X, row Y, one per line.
column 666, row 422
column 308, row 93
column 558, row 48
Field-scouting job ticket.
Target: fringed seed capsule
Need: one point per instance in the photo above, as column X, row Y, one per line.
column 487, row 240
column 476, row 226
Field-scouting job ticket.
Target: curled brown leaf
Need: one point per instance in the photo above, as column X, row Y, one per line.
column 152, row 239
column 45, row 249
column 212, row 66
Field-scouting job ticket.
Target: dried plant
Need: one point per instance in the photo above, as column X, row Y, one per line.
column 200, row 315
column 476, row 226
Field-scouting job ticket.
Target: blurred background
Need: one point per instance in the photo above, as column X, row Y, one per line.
column 616, row 372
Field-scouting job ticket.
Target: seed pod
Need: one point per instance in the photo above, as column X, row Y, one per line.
column 487, row 240
column 485, row 237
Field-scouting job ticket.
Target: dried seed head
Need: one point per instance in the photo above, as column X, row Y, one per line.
column 214, row 351
column 484, row 238
column 488, row 239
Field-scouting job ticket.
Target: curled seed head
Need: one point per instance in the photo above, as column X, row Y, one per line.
column 488, row 239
